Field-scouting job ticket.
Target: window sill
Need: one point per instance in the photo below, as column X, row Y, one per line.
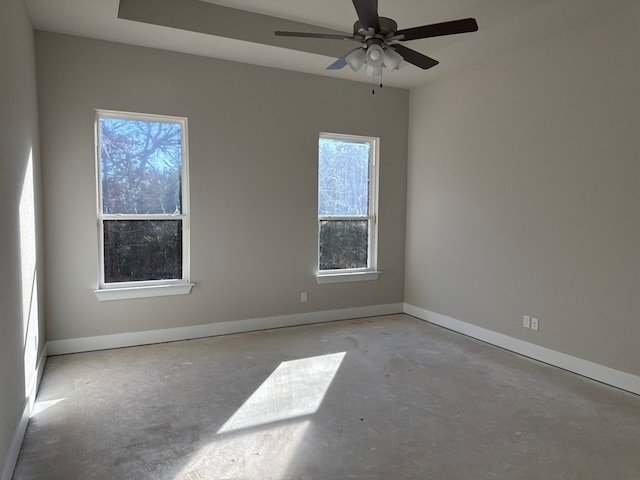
column 125, row 293
column 347, row 277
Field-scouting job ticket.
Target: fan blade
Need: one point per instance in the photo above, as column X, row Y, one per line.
column 438, row 29
column 418, row 59
column 342, row 61
column 330, row 36
column 367, row 11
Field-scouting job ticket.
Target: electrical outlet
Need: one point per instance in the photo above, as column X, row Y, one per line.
column 303, row 297
column 534, row 323
column 526, row 321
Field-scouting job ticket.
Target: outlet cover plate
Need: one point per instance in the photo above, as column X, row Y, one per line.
column 534, row 324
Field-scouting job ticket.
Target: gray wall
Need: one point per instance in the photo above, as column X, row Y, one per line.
column 524, row 193
column 18, row 137
column 253, row 164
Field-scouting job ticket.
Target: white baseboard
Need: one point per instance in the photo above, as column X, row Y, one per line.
column 23, row 421
column 600, row 373
column 16, row 442
column 610, row 376
column 104, row 342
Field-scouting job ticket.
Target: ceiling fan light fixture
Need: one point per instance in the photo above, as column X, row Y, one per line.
column 356, row 59
column 375, row 56
column 392, row 59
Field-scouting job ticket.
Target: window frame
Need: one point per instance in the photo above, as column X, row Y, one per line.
column 370, row 272
column 144, row 288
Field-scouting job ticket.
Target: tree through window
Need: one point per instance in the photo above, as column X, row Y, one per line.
column 143, row 217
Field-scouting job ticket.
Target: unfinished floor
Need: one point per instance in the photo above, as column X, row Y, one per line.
column 379, row 398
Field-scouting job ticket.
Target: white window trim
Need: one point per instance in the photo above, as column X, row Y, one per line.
column 124, row 293
column 153, row 288
column 370, row 272
column 342, row 277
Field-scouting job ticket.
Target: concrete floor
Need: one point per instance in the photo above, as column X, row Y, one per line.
column 380, row 398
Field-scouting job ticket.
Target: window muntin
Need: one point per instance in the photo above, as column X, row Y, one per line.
column 347, row 200
column 142, row 199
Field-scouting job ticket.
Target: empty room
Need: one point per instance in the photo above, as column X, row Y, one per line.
column 319, row 240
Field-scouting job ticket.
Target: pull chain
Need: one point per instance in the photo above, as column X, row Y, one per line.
column 373, row 84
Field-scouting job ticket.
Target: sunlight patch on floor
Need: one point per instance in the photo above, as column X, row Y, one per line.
column 295, row 389
column 41, row 406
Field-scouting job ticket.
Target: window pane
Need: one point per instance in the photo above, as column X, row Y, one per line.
column 343, row 244
column 140, row 165
column 343, row 177
column 139, row 250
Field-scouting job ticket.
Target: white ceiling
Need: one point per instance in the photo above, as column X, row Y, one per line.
column 504, row 25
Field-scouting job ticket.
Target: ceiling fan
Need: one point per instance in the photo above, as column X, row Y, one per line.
column 380, row 39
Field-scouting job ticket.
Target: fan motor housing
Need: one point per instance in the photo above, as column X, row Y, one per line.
column 387, row 26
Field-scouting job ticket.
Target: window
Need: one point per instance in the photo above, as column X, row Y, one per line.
column 143, row 221
column 347, row 202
